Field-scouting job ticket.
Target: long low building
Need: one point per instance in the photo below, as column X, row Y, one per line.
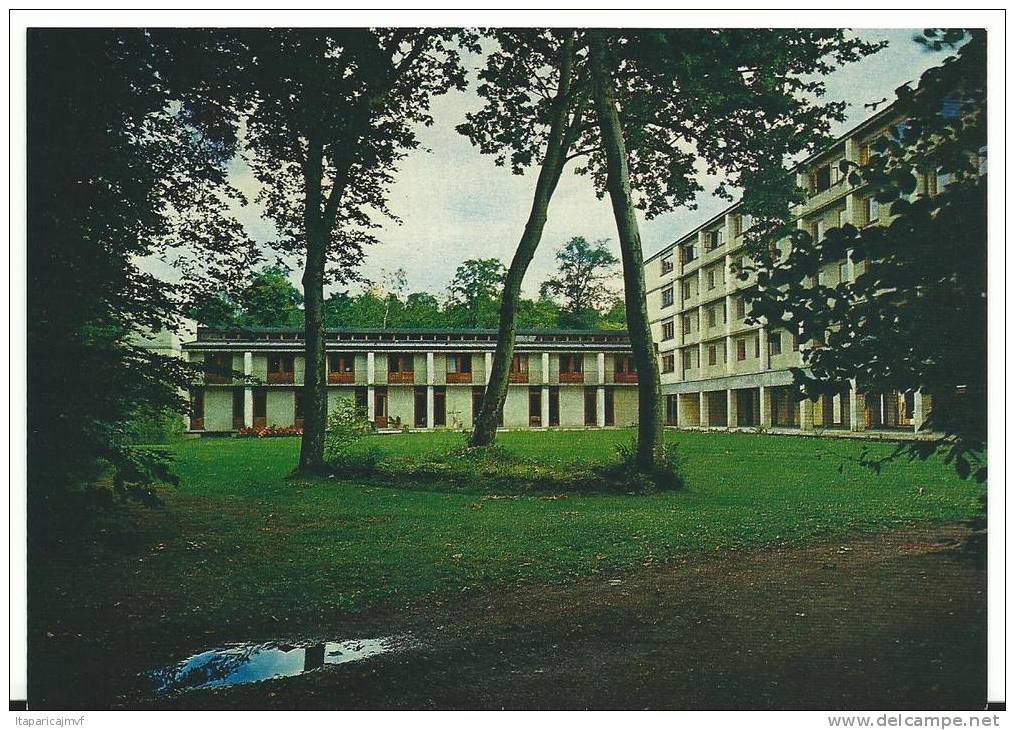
column 415, row 379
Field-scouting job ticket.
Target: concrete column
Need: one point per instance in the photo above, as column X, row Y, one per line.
column 921, row 409
column 370, row 396
column 429, row 395
column 703, row 409
column 600, row 406
column 488, row 364
column 765, row 406
column 248, row 391
column 731, row 408
column 766, row 356
column 600, row 368
column 730, row 354
column 429, row 373
column 544, row 405
column 546, row 369
column 370, row 380
column 807, row 415
column 855, row 408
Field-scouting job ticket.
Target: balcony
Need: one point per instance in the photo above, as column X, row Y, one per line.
column 402, row 378
column 620, row 377
column 568, row 377
column 280, row 378
column 341, row 377
column 514, row 377
column 459, row 378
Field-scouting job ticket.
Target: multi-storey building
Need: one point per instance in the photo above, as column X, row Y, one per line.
column 719, row 371
column 416, row 379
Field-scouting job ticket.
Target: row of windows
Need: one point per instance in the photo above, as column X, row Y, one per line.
column 715, row 352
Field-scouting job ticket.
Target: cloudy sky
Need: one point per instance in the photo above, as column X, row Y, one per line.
column 456, row 204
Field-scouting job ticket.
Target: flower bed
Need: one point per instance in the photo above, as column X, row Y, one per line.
column 269, row 431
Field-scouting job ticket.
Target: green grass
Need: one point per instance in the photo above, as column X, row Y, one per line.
column 357, row 545
column 238, row 539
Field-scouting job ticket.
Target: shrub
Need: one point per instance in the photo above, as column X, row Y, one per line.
column 626, row 476
column 153, row 426
column 269, row 431
column 347, row 426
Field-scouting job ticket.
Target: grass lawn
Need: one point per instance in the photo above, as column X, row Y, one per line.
column 239, row 545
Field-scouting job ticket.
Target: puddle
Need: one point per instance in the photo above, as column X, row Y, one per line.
column 245, row 663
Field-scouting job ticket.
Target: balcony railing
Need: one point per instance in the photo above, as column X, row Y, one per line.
column 217, row 379
column 625, row 377
column 341, row 377
column 402, row 378
column 459, row 377
column 518, row 377
column 572, row 377
column 280, row 379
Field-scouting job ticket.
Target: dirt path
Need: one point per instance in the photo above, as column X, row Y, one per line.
column 894, row 620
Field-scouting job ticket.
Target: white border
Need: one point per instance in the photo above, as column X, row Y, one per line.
column 799, row 16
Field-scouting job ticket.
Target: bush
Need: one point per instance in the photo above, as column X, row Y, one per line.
column 347, row 426
column 269, row 432
column 626, row 476
column 150, row 426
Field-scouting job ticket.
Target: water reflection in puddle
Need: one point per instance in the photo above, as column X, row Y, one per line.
column 244, row 663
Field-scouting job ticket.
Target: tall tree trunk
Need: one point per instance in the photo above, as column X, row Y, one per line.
column 558, row 142
column 315, row 388
column 618, row 183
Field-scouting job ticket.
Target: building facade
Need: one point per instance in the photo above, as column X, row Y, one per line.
column 414, row 379
column 720, row 372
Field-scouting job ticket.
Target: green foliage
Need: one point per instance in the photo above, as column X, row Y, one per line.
column 347, row 427
column 583, row 272
column 270, row 300
column 628, row 477
column 150, row 426
column 474, row 293
column 916, row 316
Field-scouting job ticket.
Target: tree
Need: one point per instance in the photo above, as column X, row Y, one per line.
column 535, row 105
column 538, row 314
column 123, row 166
column 739, row 101
column 393, row 285
column 329, row 114
column 915, row 318
column 583, row 272
column 474, row 292
column 270, row 300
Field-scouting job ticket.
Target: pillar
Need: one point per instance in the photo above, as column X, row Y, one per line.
column 544, row 406
column 370, row 376
column 703, row 409
column 488, row 365
column 919, row 411
column 730, row 355
column 429, row 402
column 248, row 391
column 600, row 405
column 370, row 400
column 766, row 353
column 855, row 408
column 806, row 415
column 765, row 406
column 600, row 368
column 731, row 408
column 429, row 369
column 546, row 370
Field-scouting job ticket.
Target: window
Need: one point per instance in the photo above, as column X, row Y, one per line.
column 843, row 271
column 741, row 349
column 339, row 362
column 685, row 290
column 196, row 409
column 710, row 279
column 624, row 364
column 819, row 231
column 519, row 364
column 667, row 264
column 942, row 180
column 458, row 363
column 821, row 179
column 400, row 363
column 872, row 210
column 668, row 330
column 712, row 354
column 775, row 343
column 796, row 342
column 668, row 296
column 687, row 253
column 218, row 366
column 712, row 317
column 713, row 239
column 685, row 325
column 741, row 307
column 842, row 217
column 571, row 364
column 280, row 363
column 668, row 364
column 757, row 346
column 902, row 131
column 685, row 359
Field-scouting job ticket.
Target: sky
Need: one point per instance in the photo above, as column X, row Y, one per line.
column 455, row 204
